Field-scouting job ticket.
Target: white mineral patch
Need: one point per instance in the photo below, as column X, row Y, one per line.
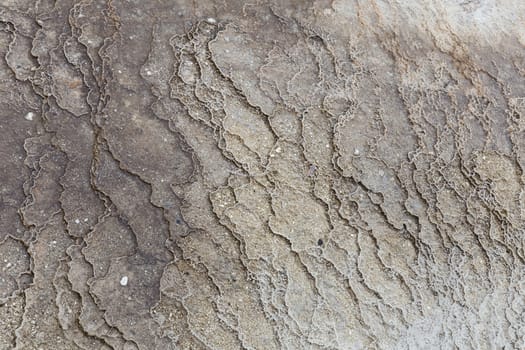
column 29, row 116
column 124, row 280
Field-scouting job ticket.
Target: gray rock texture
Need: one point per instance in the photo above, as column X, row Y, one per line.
column 292, row 174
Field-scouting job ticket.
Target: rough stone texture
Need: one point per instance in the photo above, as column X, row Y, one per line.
column 340, row 174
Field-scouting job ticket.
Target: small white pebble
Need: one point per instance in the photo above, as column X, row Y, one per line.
column 124, row 281
column 8, row 265
column 211, row 20
column 148, row 72
column 77, row 221
column 29, row 116
column 85, row 219
column 356, row 152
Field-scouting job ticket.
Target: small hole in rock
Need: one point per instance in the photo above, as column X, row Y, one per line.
column 320, row 242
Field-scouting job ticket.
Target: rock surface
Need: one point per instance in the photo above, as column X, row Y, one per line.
column 204, row 174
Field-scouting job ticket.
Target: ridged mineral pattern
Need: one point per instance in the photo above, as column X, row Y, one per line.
column 292, row 174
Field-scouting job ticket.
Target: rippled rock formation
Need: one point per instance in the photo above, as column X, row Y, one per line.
column 282, row 175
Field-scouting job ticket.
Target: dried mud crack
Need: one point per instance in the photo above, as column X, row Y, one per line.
column 182, row 174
